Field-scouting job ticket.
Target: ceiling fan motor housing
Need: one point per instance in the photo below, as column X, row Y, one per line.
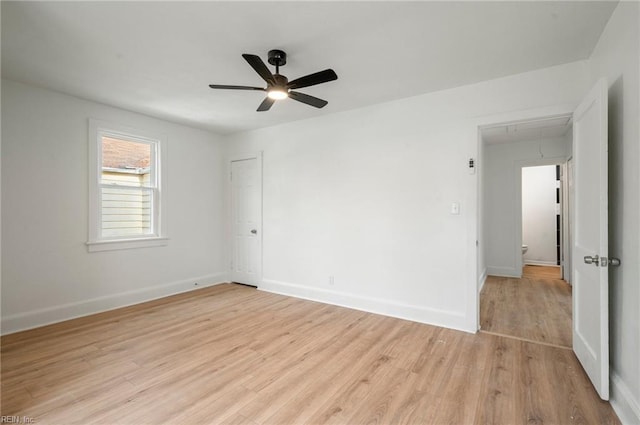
column 281, row 81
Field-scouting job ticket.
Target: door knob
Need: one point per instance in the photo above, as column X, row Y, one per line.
column 614, row 262
column 595, row 260
column 254, row 231
column 601, row 261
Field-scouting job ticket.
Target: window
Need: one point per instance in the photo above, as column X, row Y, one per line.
column 125, row 190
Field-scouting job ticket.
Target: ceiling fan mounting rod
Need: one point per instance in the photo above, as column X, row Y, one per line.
column 277, row 58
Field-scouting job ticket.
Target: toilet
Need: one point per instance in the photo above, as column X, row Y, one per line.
column 525, row 248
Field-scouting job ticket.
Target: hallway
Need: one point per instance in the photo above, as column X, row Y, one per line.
column 536, row 307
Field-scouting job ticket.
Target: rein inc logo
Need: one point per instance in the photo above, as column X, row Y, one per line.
column 5, row 419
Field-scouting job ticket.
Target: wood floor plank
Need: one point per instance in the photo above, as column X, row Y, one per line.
column 309, row 397
column 238, row 420
column 459, row 398
column 282, row 389
column 232, row 355
column 531, row 401
column 350, row 395
column 375, row 408
column 497, row 403
column 548, row 272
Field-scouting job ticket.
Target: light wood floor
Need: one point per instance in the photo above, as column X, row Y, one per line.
column 545, row 272
column 536, row 307
column 234, row 355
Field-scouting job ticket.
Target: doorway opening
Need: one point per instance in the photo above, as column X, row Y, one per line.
column 525, row 211
column 542, row 221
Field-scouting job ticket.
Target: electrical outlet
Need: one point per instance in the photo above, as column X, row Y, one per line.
column 331, row 281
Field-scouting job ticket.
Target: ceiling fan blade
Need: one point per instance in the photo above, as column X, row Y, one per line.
column 309, row 100
column 313, row 79
column 266, row 104
column 221, row 86
column 259, row 66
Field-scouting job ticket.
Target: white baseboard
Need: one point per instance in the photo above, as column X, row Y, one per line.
column 443, row 318
column 503, row 271
column 626, row 407
column 59, row 313
column 541, row 263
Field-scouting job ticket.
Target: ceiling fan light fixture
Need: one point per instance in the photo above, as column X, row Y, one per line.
column 277, row 93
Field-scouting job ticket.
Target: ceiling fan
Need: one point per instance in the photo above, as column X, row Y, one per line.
column 278, row 86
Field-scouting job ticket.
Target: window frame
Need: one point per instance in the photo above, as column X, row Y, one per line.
column 158, row 236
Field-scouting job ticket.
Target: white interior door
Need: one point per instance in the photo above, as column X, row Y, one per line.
column 568, row 222
column 246, row 213
column 590, row 248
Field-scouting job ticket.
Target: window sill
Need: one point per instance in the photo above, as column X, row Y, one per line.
column 117, row 244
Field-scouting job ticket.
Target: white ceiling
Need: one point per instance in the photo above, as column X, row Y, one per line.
column 158, row 58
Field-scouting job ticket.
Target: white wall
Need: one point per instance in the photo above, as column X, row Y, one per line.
column 47, row 273
column 616, row 57
column 539, row 214
column 502, row 194
column 365, row 196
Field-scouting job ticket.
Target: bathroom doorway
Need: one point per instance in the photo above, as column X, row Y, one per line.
column 542, row 221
